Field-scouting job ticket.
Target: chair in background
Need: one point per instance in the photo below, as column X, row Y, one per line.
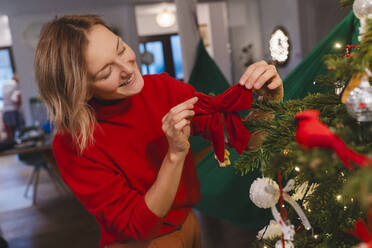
column 36, row 159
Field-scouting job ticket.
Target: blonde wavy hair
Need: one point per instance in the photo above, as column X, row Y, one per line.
column 62, row 76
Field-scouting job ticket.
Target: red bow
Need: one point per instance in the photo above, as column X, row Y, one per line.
column 208, row 119
column 311, row 132
column 362, row 232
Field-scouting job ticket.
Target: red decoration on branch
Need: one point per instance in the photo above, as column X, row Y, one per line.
column 311, row 132
column 362, row 232
column 347, row 49
column 213, row 114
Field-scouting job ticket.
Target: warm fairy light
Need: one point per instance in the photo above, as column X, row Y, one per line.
column 352, row 199
column 339, row 197
column 286, row 151
column 309, row 210
column 338, row 45
column 297, row 169
column 345, row 207
column 316, row 236
column 342, row 174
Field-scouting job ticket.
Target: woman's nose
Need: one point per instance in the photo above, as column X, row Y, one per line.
column 125, row 66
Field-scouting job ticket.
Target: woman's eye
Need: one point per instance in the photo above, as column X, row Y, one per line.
column 107, row 75
column 122, row 51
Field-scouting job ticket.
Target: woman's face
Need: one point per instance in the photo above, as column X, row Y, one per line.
column 111, row 65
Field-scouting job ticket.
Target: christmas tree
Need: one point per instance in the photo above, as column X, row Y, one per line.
column 332, row 183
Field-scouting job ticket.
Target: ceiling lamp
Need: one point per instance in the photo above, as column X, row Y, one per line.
column 165, row 18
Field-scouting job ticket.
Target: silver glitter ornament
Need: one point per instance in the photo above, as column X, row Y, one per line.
column 359, row 101
column 362, row 8
column 339, row 87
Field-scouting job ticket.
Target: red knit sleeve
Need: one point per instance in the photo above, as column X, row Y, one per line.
column 105, row 193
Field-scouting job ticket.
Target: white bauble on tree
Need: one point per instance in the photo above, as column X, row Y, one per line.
column 264, row 192
column 362, row 8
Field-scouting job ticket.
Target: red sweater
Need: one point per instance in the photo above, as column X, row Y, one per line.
column 113, row 175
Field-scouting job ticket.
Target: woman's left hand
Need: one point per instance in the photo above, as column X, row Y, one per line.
column 264, row 78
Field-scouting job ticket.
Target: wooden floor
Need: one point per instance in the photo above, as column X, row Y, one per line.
column 59, row 221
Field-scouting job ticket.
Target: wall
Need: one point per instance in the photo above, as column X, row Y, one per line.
column 284, row 13
column 324, row 15
column 245, row 29
column 220, row 38
column 5, row 37
column 25, row 30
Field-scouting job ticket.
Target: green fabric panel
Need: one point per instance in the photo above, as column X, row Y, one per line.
column 225, row 194
column 300, row 82
column 206, row 77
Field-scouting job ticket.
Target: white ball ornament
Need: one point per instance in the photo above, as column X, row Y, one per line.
column 264, row 192
column 362, row 8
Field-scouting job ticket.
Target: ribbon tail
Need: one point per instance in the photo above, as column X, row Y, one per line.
column 361, row 231
column 346, row 154
column 218, row 139
column 238, row 134
column 298, row 210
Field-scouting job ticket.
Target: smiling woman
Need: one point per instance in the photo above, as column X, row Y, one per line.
column 122, row 142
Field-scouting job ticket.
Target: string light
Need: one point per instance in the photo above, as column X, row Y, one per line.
column 338, row 45
column 352, row 199
column 316, row 236
column 297, row 169
column 345, row 207
column 339, row 197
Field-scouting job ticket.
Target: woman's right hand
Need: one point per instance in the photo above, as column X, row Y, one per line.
column 176, row 126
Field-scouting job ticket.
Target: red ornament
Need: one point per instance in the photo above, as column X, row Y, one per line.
column 362, row 232
column 347, row 49
column 311, row 132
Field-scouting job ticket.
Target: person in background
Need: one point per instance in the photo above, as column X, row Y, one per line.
column 122, row 139
column 12, row 116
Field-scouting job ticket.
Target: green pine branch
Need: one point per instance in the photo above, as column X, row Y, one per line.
column 342, row 196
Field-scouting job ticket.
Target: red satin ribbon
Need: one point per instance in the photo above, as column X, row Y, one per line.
column 211, row 114
column 283, row 212
column 311, row 132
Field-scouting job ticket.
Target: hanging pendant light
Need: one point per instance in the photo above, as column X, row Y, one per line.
column 165, row 18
